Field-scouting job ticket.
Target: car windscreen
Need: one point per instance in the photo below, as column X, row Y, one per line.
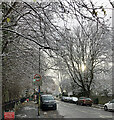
column 47, row 98
column 112, row 101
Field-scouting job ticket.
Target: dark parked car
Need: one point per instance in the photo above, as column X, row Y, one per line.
column 85, row 101
column 48, row 102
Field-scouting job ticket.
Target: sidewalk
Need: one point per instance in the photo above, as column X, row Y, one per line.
column 30, row 110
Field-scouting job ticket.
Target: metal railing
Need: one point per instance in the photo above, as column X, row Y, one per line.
column 7, row 106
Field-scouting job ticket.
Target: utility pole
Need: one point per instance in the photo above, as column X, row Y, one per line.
column 39, row 88
column 38, row 100
column 113, row 48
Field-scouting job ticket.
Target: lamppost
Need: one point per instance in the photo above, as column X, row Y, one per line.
column 39, row 85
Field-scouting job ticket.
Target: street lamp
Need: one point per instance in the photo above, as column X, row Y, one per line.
column 39, row 85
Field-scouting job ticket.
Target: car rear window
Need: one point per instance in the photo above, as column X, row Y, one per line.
column 88, row 98
column 82, row 98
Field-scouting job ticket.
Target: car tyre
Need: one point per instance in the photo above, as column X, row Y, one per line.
column 90, row 105
column 105, row 108
column 81, row 104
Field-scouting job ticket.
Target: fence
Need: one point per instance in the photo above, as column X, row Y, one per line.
column 7, row 106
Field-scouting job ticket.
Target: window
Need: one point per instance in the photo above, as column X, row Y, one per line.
column 88, row 99
column 47, row 98
column 112, row 101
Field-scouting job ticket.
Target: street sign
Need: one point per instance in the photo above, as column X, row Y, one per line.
column 37, row 77
column 37, row 80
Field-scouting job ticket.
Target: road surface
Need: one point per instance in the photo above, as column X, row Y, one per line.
column 64, row 110
column 69, row 110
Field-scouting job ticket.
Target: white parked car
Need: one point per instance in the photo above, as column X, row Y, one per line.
column 74, row 99
column 109, row 105
column 67, row 99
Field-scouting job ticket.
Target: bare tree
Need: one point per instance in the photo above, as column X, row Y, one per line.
column 84, row 55
column 45, row 24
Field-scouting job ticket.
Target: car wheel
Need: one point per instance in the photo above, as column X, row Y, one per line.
column 90, row 105
column 81, row 103
column 105, row 108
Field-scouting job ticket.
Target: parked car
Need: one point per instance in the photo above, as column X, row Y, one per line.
column 69, row 99
column 79, row 100
column 109, row 105
column 65, row 99
column 48, row 102
column 84, row 101
column 74, row 99
column 62, row 98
